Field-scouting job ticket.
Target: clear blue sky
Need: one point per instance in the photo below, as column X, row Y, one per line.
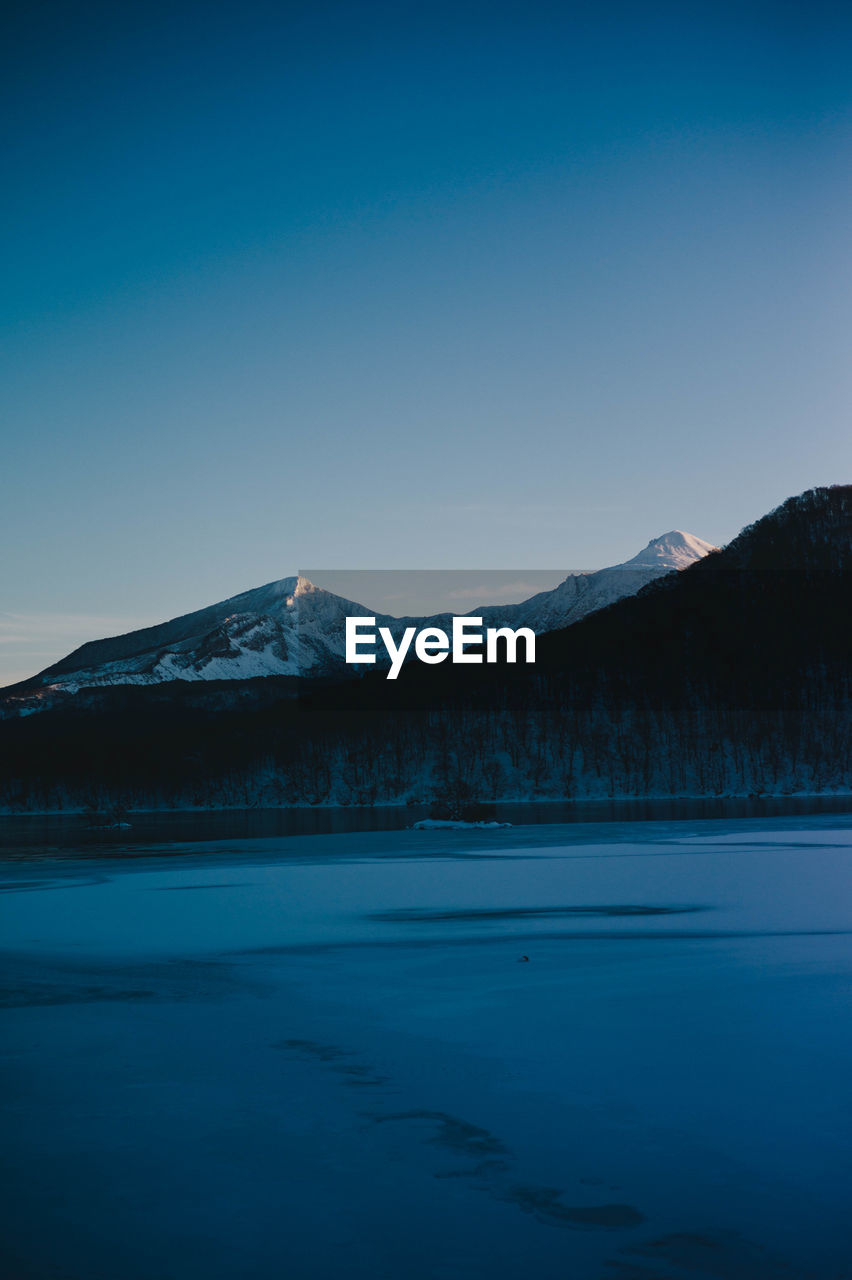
column 384, row 285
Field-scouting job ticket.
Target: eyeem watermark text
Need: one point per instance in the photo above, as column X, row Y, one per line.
column 433, row 645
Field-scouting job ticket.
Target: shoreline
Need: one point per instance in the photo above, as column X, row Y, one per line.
column 384, row 805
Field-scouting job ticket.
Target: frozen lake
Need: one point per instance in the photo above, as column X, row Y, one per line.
column 324, row 1056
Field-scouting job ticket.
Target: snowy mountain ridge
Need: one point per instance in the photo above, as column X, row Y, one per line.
column 584, row 593
column 293, row 627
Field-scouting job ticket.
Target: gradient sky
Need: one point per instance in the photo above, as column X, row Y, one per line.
column 386, row 285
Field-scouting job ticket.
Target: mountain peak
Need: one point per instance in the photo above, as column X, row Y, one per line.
column 673, row 550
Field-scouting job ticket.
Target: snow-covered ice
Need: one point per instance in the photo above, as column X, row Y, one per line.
column 318, row 1056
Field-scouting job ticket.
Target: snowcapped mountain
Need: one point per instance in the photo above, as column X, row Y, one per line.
column 289, row 627
column 584, row 593
column 292, row 627
column 674, row 550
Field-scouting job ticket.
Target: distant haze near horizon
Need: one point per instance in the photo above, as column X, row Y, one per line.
column 408, row 286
